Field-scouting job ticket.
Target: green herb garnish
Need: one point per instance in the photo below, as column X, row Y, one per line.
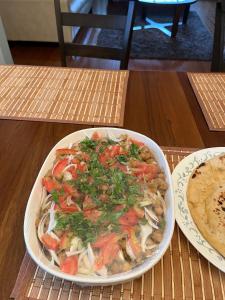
column 134, row 151
column 122, row 159
column 79, row 225
column 87, row 145
column 55, row 196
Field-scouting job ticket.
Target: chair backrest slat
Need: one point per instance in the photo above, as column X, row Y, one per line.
column 116, row 22
column 96, row 51
column 93, row 21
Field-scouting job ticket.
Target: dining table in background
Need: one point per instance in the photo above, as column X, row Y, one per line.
column 161, row 105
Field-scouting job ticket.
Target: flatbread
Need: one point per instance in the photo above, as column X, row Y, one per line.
column 206, row 201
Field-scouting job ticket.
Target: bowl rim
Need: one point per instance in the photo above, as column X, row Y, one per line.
column 120, row 277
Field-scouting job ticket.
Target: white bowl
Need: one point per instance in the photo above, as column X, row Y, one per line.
column 33, row 207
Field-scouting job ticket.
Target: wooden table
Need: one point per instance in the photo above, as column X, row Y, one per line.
column 159, row 105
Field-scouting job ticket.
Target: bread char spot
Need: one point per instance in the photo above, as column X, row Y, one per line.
column 221, row 202
column 201, row 165
column 196, row 173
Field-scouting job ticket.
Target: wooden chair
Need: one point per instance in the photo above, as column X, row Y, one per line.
column 218, row 64
column 118, row 22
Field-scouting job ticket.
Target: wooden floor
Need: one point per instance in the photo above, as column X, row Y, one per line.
column 47, row 54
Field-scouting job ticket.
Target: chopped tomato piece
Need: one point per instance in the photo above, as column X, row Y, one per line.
column 85, row 156
column 119, row 207
column 69, row 189
column 99, row 262
column 59, row 167
column 88, row 203
column 75, row 161
column 70, row 265
column 73, row 172
column 130, row 218
column 126, row 229
column 142, row 168
column 50, row 184
column 103, row 159
column 104, row 240
column 115, row 150
column 107, row 254
column 62, row 198
column 49, row 241
column 92, row 214
column 66, row 151
column 96, row 136
column 68, row 208
column 82, row 167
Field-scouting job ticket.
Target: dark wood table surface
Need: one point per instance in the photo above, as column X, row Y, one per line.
column 160, row 105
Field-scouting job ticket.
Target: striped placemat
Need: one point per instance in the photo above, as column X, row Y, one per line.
column 182, row 273
column 81, row 96
column 209, row 89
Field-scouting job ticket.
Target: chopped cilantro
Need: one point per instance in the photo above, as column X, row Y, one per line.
column 79, row 225
column 55, row 196
column 134, row 151
column 87, row 145
column 122, row 159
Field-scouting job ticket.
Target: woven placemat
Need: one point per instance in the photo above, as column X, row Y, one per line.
column 81, row 96
column 209, row 89
column 182, row 273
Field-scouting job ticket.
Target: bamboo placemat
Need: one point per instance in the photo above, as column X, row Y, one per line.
column 209, row 89
column 182, row 273
column 82, row 96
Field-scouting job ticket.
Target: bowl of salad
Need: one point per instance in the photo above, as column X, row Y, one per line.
column 101, row 210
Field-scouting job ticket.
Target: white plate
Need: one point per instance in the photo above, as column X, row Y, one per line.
column 181, row 175
column 33, row 207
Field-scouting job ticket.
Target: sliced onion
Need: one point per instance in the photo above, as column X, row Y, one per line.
column 41, row 225
column 54, row 236
column 148, row 218
column 54, row 257
column 90, row 254
column 43, row 195
column 151, row 246
column 121, row 256
column 81, row 256
column 52, row 221
column 146, row 230
column 67, row 176
column 130, row 251
column 151, row 214
column 69, row 166
column 71, row 253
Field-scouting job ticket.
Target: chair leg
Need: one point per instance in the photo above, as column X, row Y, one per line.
column 143, row 12
column 128, row 35
column 186, row 13
column 218, row 43
column 176, row 18
column 63, row 58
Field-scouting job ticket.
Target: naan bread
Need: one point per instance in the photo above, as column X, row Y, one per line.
column 206, row 201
